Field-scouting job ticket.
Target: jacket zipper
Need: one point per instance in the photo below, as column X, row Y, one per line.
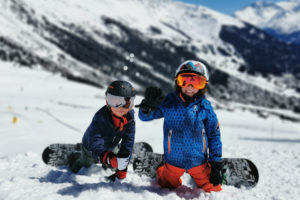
column 169, row 141
column 204, row 142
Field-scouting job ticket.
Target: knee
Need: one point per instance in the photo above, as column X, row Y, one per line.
column 168, row 176
column 201, row 175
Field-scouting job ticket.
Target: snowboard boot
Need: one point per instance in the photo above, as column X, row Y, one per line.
column 74, row 161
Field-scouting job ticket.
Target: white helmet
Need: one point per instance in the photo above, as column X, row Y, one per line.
column 192, row 66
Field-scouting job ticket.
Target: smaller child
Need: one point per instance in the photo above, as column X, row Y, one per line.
column 113, row 126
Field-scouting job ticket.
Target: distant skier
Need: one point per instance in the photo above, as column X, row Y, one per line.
column 192, row 140
column 113, row 125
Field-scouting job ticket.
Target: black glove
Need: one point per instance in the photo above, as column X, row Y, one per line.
column 216, row 176
column 153, row 97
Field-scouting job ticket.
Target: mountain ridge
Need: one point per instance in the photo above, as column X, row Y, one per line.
column 280, row 19
column 145, row 49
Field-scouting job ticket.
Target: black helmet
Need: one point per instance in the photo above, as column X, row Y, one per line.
column 121, row 88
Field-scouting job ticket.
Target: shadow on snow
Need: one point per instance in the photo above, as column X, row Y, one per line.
column 183, row 191
column 63, row 175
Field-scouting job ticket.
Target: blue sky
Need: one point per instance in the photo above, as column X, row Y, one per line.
column 225, row 6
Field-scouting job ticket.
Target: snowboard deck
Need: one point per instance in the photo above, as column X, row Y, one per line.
column 237, row 172
column 139, row 150
column 58, row 154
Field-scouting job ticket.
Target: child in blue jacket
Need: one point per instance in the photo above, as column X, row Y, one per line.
column 111, row 126
column 192, row 140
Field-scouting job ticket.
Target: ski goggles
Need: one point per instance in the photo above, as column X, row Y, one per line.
column 119, row 102
column 186, row 79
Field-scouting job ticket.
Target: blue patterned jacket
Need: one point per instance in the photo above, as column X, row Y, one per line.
column 189, row 132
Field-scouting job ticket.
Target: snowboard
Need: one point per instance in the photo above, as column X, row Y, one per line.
column 237, row 172
column 58, row 154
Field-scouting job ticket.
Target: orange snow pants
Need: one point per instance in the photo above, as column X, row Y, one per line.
column 168, row 176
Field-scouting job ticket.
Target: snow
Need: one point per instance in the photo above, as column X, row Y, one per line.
column 282, row 16
column 143, row 13
column 50, row 109
column 178, row 22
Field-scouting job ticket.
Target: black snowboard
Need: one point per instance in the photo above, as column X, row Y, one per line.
column 57, row 154
column 140, row 149
column 237, row 172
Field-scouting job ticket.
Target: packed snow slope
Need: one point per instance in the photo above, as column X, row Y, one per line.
column 38, row 108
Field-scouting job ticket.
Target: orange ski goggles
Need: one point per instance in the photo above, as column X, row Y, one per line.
column 186, row 79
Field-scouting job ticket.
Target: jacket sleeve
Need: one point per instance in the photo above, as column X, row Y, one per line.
column 213, row 135
column 96, row 141
column 153, row 115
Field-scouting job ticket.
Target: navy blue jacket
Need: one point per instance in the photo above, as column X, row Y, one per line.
column 102, row 135
column 191, row 133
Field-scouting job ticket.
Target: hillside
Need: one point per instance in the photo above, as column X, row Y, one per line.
column 96, row 41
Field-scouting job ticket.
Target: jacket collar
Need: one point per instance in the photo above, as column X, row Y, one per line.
column 129, row 117
column 188, row 103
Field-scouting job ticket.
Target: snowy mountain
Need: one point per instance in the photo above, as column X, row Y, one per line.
column 144, row 41
column 280, row 19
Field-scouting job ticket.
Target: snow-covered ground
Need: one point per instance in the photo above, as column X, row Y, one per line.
column 48, row 109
